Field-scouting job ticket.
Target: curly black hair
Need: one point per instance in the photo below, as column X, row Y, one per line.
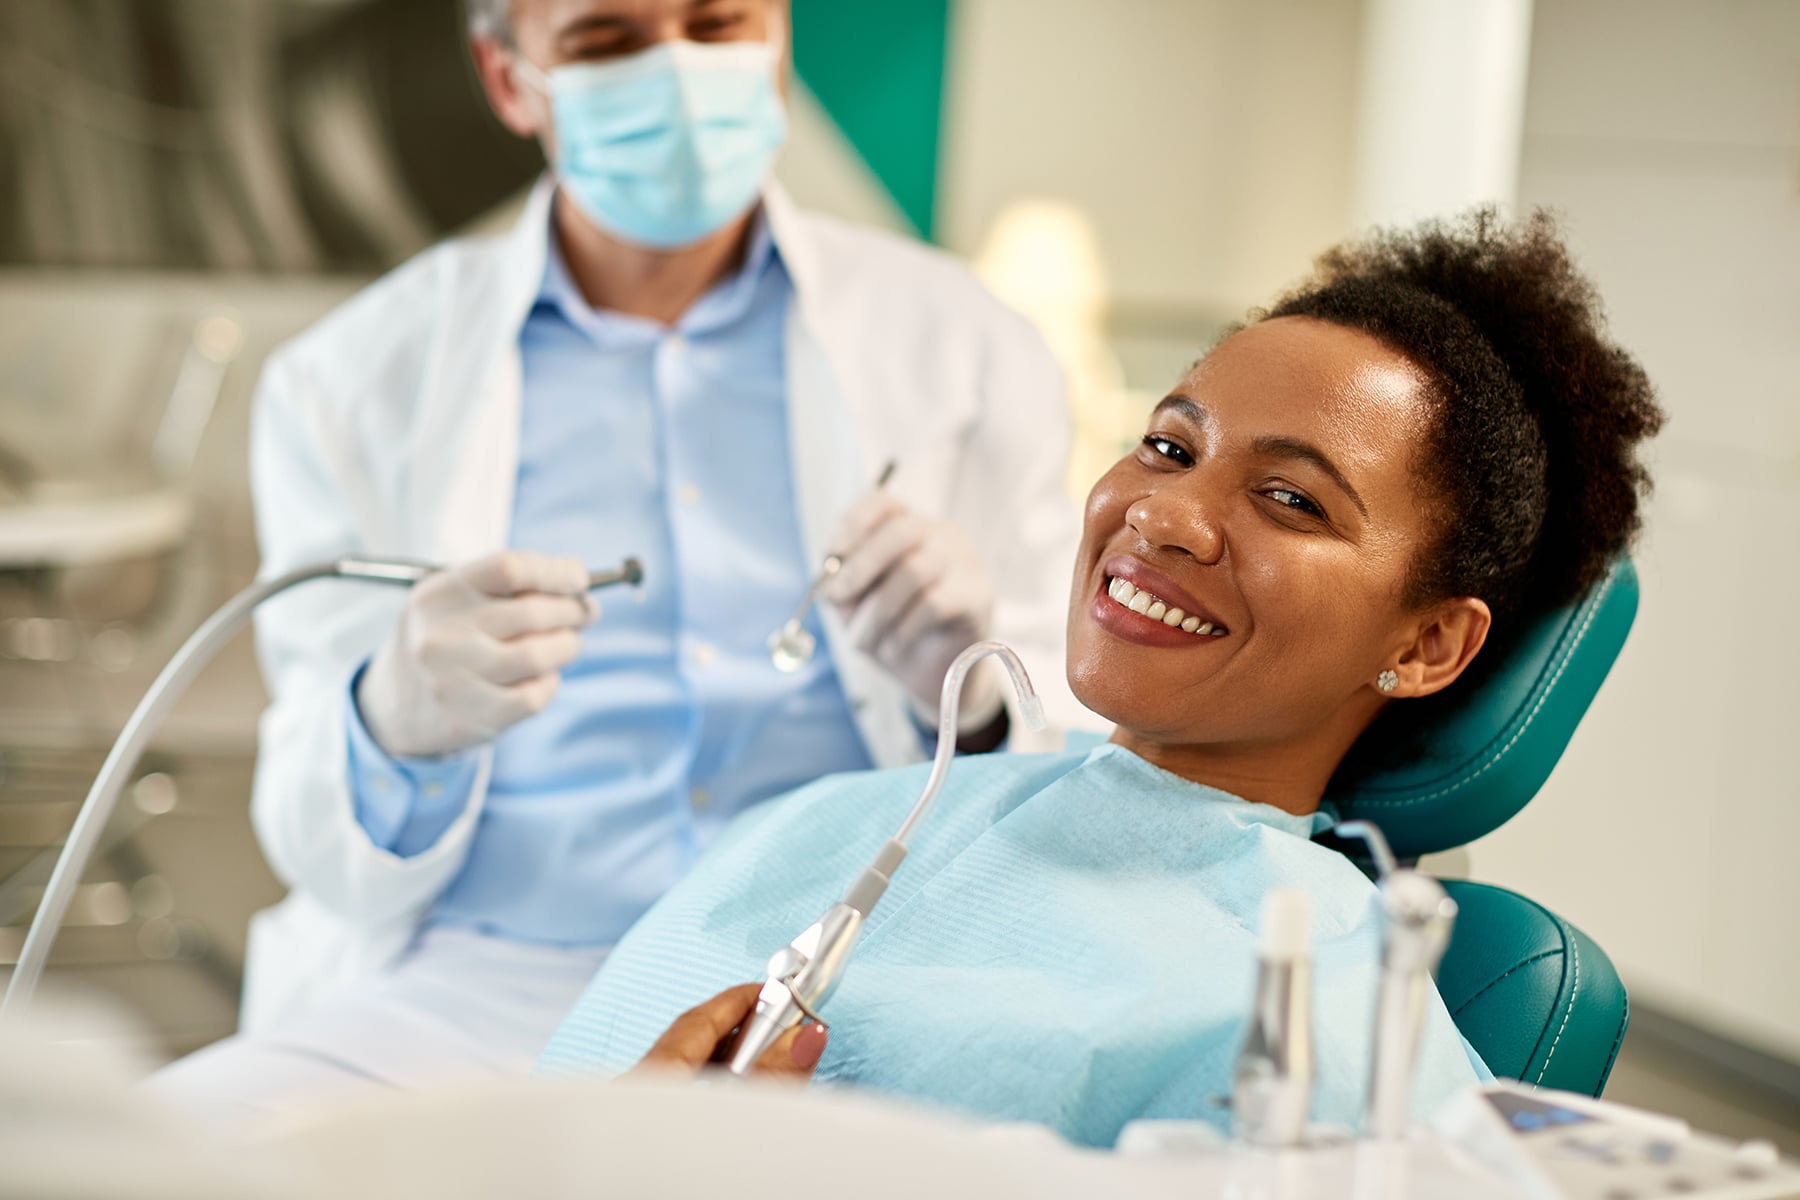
column 1532, row 474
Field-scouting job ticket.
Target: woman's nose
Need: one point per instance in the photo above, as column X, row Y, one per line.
column 1178, row 520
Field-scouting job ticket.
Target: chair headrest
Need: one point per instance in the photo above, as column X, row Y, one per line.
column 1490, row 750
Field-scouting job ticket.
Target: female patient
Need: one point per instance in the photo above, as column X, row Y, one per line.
column 1344, row 507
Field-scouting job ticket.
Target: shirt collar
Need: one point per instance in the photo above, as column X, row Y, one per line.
column 726, row 302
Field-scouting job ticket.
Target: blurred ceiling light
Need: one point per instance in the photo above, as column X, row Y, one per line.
column 1042, row 257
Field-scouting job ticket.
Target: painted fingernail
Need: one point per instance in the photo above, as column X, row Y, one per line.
column 809, row 1046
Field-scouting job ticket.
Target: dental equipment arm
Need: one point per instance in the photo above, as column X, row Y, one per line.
column 803, row 973
column 193, row 655
column 1418, row 916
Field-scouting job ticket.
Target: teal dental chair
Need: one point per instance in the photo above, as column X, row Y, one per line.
column 1539, row 1001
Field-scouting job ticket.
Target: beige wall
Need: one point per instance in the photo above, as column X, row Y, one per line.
column 1207, row 139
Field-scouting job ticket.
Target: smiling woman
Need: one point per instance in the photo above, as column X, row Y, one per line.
column 1344, row 507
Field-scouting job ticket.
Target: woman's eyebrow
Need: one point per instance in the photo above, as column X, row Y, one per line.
column 1185, row 406
column 1286, row 447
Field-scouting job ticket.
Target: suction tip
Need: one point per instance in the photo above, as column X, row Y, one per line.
column 1031, row 710
column 633, row 572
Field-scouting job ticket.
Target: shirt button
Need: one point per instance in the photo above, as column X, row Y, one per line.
column 689, row 494
column 699, row 798
column 704, row 654
column 434, row 789
column 382, row 785
column 676, row 343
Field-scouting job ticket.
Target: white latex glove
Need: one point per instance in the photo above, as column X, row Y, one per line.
column 914, row 594
column 480, row 647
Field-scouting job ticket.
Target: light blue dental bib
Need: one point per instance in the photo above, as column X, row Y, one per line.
column 1072, row 941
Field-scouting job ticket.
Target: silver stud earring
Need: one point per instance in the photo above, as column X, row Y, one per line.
column 1387, row 681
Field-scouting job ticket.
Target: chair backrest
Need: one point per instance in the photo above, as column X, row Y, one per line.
column 1492, row 748
column 1538, row 1000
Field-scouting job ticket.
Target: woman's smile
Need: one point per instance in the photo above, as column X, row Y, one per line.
column 1141, row 604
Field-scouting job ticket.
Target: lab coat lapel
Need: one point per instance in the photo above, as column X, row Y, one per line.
column 833, row 463
column 824, row 438
column 470, row 493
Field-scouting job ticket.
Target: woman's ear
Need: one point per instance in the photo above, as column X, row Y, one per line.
column 1446, row 643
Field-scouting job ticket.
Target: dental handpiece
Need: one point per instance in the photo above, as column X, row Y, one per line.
column 803, row 974
column 1417, row 918
column 406, row 572
column 1272, row 1084
column 1420, row 915
column 193, row 655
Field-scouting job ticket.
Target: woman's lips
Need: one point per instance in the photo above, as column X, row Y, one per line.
column 1146, row 578
column 1126, row 611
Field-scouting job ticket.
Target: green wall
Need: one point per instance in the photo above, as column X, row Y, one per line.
column 877, row 66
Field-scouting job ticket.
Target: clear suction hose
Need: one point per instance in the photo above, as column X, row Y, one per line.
column 803, row 973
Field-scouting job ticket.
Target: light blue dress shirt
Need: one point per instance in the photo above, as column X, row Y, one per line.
column 670, row 444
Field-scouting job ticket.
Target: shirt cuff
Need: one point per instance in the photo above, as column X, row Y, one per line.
column 403, row 804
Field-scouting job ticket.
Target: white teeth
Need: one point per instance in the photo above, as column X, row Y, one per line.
column 1126, row 594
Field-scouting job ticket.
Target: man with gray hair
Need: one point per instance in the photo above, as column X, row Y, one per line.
column 473, row 790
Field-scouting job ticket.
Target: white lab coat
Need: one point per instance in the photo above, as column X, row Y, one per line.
column 391, row 428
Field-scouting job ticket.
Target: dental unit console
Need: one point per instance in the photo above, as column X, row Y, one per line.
column 187, row 662
column 1502, row 1140
column 803, row 973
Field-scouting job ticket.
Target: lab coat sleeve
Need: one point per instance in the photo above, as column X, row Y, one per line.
column 1012, row 497
column 403, row 804
column 316, row 498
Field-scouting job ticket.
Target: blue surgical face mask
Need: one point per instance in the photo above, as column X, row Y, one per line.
column 670, row 144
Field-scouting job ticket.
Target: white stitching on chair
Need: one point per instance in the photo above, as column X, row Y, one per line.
column 1575, row 950
column 1580, row 633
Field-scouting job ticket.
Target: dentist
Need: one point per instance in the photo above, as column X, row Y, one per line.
column 474, row 789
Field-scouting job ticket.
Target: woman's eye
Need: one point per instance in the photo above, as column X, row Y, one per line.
column 1288, row 498
column 1168, row 449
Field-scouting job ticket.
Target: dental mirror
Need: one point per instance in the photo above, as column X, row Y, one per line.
column 791, row 647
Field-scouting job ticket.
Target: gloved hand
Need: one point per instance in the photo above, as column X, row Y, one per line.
column 479, row 647
column 914, row 593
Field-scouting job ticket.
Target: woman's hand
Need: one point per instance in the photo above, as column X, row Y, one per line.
column 701, row 1035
